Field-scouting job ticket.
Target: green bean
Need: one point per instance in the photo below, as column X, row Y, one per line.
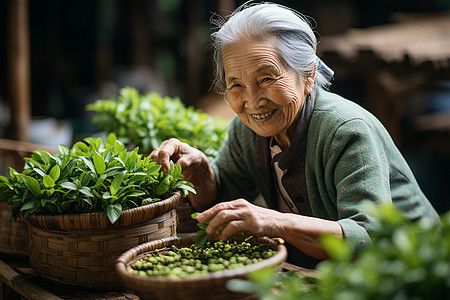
column 192, row 261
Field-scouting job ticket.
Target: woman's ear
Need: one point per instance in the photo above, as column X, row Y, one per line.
column 309, row 83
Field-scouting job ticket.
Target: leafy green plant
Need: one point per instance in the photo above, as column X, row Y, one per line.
column 201, row 236
column 147, row 120
column 406, row 261
column 92, row 176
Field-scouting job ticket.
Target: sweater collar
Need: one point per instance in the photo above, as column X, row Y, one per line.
column 286, row 157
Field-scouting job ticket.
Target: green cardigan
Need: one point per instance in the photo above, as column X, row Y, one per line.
column 350, row 159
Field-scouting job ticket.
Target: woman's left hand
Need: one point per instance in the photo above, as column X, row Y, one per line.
column 238, row 216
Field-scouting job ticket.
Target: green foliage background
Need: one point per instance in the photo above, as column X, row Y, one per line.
column 147, row 120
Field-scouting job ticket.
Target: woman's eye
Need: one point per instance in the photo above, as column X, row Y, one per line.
column 236, row 85
column 265, row 79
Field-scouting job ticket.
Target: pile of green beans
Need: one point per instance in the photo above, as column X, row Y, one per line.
column 193, row 261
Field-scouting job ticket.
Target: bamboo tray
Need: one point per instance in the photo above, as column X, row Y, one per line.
column 211, row 286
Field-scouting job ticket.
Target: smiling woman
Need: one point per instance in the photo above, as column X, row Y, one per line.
column 315, row 157
column 264, row 93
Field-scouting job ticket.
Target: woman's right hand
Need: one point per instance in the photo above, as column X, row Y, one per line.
column 195, row 166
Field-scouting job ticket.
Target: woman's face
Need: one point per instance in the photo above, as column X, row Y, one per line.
column 262, row 91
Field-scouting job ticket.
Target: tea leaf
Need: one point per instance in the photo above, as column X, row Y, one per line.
column 200, row 239
column 32, row 184
column 39, row 171
column 48, row 181
column 69, row 185
column 55, row 172
column 63, row 150
column 99, row 163
column 116, row 183
column 86, row 191
column 88, row 164
column 30, row 205
column 164, row 186
column 113, row 212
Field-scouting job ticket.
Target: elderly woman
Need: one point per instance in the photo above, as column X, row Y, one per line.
column 314, row 156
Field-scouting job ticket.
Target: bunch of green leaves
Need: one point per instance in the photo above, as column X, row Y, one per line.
column 92, row 176
column 406, row 261
column 148, row 120
column 201, row 236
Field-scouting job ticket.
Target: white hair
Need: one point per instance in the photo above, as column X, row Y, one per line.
column 295, row 40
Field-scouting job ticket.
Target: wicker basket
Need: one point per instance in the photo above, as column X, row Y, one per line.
column 212, row 286
column 13, row 234
column 81, row 250
column 185, row 222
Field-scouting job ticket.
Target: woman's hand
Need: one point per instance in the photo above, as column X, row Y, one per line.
column 238, row 216
column 196, row 169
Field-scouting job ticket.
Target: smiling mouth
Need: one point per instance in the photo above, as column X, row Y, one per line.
column 263, row 116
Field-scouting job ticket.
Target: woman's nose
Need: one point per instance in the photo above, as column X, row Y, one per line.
column 254, row 98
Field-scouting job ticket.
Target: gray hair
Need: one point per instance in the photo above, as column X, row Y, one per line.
column 296, row 42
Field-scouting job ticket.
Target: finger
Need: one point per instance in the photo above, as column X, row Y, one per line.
column 165, row 152
column 222, row 218
column 234, row 227
column 212, row 212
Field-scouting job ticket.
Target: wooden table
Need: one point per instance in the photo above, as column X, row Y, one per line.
column 19, row 281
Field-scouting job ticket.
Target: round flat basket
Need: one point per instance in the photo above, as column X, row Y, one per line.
column 13, row 234
column 211, row 286
column 85, row 257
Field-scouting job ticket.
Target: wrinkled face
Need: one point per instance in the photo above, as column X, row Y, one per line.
column 261, row 90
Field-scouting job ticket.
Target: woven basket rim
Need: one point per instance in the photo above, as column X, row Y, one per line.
column 83, row 221
column 123, row 261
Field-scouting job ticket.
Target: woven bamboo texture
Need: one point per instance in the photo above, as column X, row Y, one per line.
column 13, row 234
column 86, row 258
column 81, row 249
column 97, row 220
column 212, row 286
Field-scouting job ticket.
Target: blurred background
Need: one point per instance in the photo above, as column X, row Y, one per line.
column 390, row 56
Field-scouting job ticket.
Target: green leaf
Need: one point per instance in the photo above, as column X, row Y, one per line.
column 99, row 163
column 336, row 247
column 69, row 185
column 39, row 171
column 86, row 191
column 117, row 181
column 31, row 205
column 48, row 181
column 177, row 172
column 55, row 172
column 32, row 184
column 202, row 225
column 186, row 186
column 164, row 186
column 200, row 239
column 63, row 150
column 113, row 212
column 87, row 200
column 88, row 164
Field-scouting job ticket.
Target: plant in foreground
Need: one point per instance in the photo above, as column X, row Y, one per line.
column 93, row 176
column 406, row 261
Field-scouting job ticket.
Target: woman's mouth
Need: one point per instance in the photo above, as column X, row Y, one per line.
column 264, row 115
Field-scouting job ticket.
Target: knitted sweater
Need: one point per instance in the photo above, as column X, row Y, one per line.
column 350, row 159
